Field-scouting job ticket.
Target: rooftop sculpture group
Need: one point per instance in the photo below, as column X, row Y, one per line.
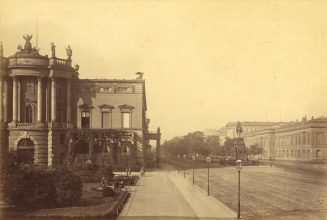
column 27, row 49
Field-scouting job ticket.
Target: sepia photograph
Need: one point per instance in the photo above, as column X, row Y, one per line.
column 163, row 109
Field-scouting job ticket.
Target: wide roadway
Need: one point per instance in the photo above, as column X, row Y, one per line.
column 164, row 194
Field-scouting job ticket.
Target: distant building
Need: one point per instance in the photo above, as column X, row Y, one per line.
column 305, row 140
column 229, row 131
column 42, row 98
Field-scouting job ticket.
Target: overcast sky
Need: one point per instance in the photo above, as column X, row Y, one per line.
column 205, row 62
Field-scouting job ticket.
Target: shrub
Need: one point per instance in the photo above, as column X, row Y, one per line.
column 29, row 187
column 68, row 187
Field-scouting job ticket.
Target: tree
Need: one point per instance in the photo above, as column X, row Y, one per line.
column 255, row 149
column 192, row 143
column 228, row 148
column 213, row 144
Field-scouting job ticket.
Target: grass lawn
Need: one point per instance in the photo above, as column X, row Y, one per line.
column 268, row 192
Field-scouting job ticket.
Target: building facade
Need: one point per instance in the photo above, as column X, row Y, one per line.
column 229, row 131
column 43, row 98
column 305, row 140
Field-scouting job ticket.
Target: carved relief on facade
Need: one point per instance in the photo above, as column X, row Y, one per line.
column 124, row 89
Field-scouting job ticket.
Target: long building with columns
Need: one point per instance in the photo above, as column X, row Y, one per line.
column 42, row 98
column 297, row 141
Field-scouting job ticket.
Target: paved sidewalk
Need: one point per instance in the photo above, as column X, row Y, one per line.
column 201, row 204
column 165, row 194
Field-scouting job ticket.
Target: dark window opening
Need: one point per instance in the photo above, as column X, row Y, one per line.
column 85, row 119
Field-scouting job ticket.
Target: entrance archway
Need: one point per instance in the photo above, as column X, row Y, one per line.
column 25, row 151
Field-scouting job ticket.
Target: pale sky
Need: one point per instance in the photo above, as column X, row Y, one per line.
column 205, row 62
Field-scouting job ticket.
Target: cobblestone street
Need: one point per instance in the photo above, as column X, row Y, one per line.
column 268, row 191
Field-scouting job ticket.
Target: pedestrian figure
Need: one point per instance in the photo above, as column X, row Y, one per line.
column 103, row 182
column 116, row 185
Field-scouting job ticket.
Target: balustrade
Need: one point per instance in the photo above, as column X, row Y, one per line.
column 59, row 62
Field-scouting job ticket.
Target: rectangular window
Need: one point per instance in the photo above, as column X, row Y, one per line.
column 85, row 119
column 126, row 120
column 30, row 87
column 106, row 122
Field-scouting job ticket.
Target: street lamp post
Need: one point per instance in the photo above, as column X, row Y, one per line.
column 208, row 161
column 184, row 156
column 239, row 130
column 239, row 167
column 178, row 156
column 193, row 158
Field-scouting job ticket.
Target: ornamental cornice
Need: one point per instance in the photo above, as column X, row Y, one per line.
column 126, row 107
column 106, row 106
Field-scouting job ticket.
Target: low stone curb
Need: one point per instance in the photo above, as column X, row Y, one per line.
column 118, row 207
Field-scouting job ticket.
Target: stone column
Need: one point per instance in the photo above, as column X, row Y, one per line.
column 69, row 101
column 53, row 100
column 158, row 147
column 14, row 97
column 47, row 101
column 39, row 100
column 158, row 153
column 1, row 100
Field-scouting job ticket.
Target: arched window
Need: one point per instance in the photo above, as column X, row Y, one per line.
column 25, row 151
column 29, row 114
column 25, row 143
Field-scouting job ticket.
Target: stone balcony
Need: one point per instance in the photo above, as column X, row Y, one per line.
column 61, row 63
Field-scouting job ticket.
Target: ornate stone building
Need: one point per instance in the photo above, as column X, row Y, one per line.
column 42, row 98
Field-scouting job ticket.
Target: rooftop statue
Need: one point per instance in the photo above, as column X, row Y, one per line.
column 28, row 45
column 53, row 50
column 69, row 52
column 239, row 129
column 140, row 75
column 27, row 49
column 76, row 67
